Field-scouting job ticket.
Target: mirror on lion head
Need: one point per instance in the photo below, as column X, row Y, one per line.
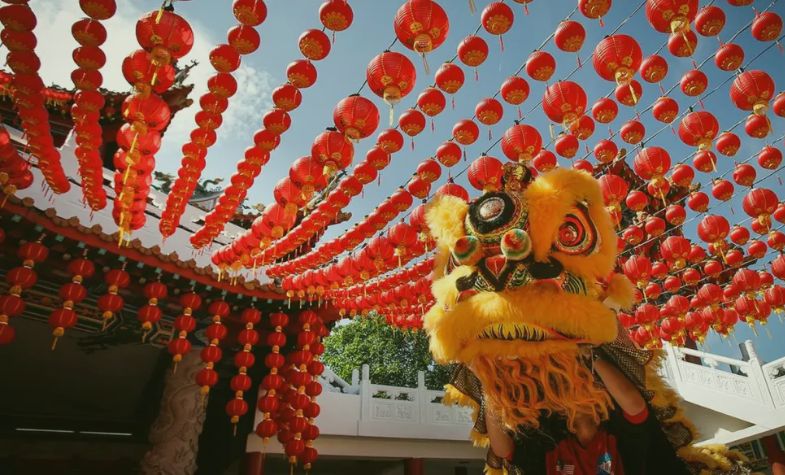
column 523, row 277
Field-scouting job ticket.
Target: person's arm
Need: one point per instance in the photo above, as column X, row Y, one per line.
column 501, row 443
column 620, row 388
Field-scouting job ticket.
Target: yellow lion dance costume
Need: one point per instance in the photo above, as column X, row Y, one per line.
column 524, row 278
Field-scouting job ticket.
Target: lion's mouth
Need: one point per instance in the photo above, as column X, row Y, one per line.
column 521, row 331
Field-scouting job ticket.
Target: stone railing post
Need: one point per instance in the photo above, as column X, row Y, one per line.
column 422, row 397
column 756, row 374
column 365, row 393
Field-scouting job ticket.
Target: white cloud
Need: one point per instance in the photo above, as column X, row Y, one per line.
column 55, row 45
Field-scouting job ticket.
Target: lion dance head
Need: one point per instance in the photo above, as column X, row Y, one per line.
column 524, row 277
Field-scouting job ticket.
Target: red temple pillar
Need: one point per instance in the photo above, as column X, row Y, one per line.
column 775, row 454
column 413, row 467
column 253, row 464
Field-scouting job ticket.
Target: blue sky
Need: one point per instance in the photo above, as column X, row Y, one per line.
column 343, row 71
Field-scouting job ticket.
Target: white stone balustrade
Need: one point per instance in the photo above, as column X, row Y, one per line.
column 731, row 401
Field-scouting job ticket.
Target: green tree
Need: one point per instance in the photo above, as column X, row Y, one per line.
column 394, row 356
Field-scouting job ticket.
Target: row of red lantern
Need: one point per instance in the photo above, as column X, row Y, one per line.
column 86, row 110
column 412, row 122
column 301, row 74
column 15, row 171
column 184, row 324
column 242, row 39
column 297, row 430
column 412, row 297
column 403, row 242
column 288, row 404
column 19, row 279
column 244, row 359
column 402, row 76
column 207, row 377
column 71, row 293
column 112, row 302
column 164, row 36
column 333, row 150
column 150, row 314
column 400, row 277
column 19, row 21
column 377, row 220
column 749, row 298
column 273, row 382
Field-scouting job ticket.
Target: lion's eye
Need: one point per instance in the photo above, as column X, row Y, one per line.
column 577, row 235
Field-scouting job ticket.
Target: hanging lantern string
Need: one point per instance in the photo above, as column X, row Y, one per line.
column 689, row 109
column 707, row 278
column 495, row 95
column 678, row 226
column 315, row 202
column 773, row 173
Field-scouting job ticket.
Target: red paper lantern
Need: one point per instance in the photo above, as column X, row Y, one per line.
column 336, row 15
column 752, row 90
column 98, row 9
column 485, row 173
column 629, row 94
column 728, row 144
column 566, row 145
column 729, row 57
column 604, row 110
column 617, row 57
column 489, row 111
column 632, row 132
column 391, row 76
column 356, row 116
column 314, row 44
column 757, row 126
column 412, row 122
column 521, row 143
column 473, row 51
column 421, row 25
column 545, row 161
column 301, row 73
column 694, row 83
column 698, row 129
column 665, row 109
column 515, row 90
column 605, row 151
column 671, row 16
column 683, row 45
column 564, row 102
column 287, row 97
column 452, row 189
column 710, row 20
column 744, row 174
column 431, row 102
column 449, row 78
column 448, row 154
column 569, row 36
column 465, row 132
column 249, row 12
column 540, row 65
column 594, row 9
column 766, row 26
column 654, row 68
column 769, row 158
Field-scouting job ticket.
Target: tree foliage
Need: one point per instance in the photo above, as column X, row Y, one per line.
column 394, row 356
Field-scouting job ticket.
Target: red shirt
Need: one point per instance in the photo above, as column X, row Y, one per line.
column 598, row 457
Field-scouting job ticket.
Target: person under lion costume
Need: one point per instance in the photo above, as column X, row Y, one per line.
column 524, row 281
